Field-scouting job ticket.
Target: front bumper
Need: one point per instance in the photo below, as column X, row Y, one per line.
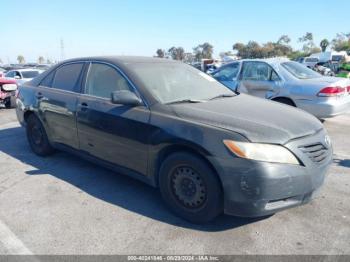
column 253, row 188
column 326, row 107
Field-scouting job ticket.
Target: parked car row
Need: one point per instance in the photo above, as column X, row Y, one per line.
column 208, row 147
column 12, row 76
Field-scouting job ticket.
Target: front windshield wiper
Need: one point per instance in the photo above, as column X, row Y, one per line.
column 184, row 101
column 222, row 96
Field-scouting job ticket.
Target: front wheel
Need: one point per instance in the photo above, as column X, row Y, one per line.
column 190, row 188
column 37, row 137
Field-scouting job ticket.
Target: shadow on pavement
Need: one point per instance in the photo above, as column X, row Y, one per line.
column 342, row 162
column 103, row 184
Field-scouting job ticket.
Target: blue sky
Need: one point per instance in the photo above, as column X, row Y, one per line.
column 139, row 27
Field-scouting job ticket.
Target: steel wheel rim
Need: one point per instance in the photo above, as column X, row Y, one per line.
column 188, row 187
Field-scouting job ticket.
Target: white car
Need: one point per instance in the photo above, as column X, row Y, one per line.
column 23, row 75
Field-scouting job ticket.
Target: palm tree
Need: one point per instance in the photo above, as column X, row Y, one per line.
column 41, row 60
column 21, row 59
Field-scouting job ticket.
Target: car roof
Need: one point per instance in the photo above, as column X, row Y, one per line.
column 272, row 61
column 28, row 69
column 124, row 59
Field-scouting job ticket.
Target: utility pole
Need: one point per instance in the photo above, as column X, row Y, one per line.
column 62, row 49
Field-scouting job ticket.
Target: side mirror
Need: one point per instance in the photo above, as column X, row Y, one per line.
column 125, row 97
column 17, row 77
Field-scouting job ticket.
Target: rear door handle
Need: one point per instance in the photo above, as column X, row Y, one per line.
column 84, row 106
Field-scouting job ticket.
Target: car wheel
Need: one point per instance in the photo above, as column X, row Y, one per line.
column 8, row 103
column 190, row 188
column 37, row 137
column 285, row 101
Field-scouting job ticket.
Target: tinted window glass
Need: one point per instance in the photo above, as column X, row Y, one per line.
column 30, row 74
column 102, row 80
column 47, row 81
column 67, row 76
column 10, row 74
column 227, row 73
column 311, row 59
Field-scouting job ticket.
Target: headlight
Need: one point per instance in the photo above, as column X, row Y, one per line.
column 262, row 152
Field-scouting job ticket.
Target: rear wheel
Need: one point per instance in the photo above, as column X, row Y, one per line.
column 37, row 137
column 285, row 101
column 8, row 103
column 190, row 188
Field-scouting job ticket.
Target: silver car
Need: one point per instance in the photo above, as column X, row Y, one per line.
column 23, row 75
column 288, row 82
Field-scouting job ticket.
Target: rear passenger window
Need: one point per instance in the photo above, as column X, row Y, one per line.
column 66, row 77
column 47, row 81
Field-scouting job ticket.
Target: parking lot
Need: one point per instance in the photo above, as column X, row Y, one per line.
column 65, row 205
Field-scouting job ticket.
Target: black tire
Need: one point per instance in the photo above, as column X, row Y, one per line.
column 37, row 137
column 190, row 188
column 285, row 101
column 8, row 103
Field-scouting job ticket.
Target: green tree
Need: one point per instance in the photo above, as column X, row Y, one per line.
column 308, row 43
column 177, row 53
column 20, row 59
column 284, row 40
column 41, row 60
column 341, row 42
column 160, row 53
column 202, row 51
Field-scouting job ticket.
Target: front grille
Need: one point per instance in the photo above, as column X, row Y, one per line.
column 316, row 152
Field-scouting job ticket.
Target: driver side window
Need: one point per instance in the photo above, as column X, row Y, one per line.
column 102, row 80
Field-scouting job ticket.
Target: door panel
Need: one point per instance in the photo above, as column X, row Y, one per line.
column 114, row 133
column 58, row 110
column 258, row 79
column 57, row 102
column 256, row 88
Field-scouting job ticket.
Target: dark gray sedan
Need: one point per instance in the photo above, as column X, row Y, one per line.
column 209, row 150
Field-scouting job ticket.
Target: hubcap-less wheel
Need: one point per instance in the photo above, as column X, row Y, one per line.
column 188, row 187
column 36, row 135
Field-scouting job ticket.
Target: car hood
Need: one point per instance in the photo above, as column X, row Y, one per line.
column 257, row 119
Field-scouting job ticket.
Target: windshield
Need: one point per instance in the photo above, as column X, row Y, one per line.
column 337, row 58
column 300, row 71
column 171, row 82
column 30, row 74
column 311, row 59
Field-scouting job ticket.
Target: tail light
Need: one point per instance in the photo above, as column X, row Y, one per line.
column 332, row 91
column 348, row 89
